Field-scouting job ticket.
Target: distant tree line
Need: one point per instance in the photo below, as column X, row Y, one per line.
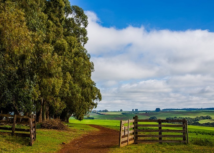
column 188, row 109
column 44, row 67
column 191, row 121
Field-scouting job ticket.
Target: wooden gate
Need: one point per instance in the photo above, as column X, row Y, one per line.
column 23, row 120
column 126, row 135
column 140, row 130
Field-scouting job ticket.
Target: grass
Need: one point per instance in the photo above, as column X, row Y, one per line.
column 47, row 140
column 201, row 139
column 206, row 121
column 160, row 115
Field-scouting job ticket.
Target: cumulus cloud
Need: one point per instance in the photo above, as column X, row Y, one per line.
column 135, row 67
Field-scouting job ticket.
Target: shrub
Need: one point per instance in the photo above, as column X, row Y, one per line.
column 153, row 118
column 54, row 124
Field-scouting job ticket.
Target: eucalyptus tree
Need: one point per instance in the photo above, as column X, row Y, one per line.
column 16, row 49
column 43, row 63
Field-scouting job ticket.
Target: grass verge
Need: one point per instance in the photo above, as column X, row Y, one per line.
column 47, row 140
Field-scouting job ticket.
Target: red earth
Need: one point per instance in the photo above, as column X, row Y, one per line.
column 95, row 142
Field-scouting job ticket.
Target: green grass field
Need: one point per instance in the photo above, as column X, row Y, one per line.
column 201, row 139
column 159, row 115
column 47, row 140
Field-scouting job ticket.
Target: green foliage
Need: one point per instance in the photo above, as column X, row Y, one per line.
column 44, row 65
column 157, row 110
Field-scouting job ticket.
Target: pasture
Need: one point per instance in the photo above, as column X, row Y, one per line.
column 201, row 139
column 146, row 115
column 47, row 140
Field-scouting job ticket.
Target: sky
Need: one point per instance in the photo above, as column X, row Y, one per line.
column 151, row 54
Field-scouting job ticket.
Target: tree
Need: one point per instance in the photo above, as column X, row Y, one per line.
column 157, row 110
column 16, row 49
column 43, row 55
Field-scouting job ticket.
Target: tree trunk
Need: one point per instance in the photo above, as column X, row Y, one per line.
column 47, row 112
column 37, row 116
column 44, row 112
column 16, row 111
column 1, row 113
column 40, row 113
column 67, row 119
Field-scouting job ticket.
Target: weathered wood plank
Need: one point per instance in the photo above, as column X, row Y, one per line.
column 126, row 133
column 6, row 115
column 131, row 121
column 16, row 134
column 25, row 130
column 125, row 144
column 135, row 129
column 14, row 125
column 124, row 122
column 18, row 116
column 160, row 136
column 5, row 128
column 152, row 125
column 184, row 129
column 141, row 120
column 31, row 136
column 166, row 141
column 120, row 137
column 126, row 138
column 22, row 134
column 6, row 122
column 24, row 123
column 161, row 131
column 187, row 132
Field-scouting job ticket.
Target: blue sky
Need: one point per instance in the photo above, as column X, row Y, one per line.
column 150, row 54
column 158, row 14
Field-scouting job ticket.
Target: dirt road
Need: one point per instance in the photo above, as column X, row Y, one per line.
column 95, row 142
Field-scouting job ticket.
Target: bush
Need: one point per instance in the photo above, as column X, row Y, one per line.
column 202, row 142
column 54, row 124
column 153, row 118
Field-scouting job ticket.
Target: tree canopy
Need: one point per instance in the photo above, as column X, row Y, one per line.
column 44, row 67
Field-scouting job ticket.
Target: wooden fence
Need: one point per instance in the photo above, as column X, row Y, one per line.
column 139, row 130
column 23, row 120
column 126, row 135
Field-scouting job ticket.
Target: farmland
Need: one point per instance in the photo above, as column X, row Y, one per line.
column 200, row 139
column 146, row 115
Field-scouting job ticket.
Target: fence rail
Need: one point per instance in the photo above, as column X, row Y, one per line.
column 17, row 119
column 126, row 135
column 129, row 134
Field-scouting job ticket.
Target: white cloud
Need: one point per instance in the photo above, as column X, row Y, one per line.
column 149, row 69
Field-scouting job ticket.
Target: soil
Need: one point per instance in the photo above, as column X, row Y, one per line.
column 96, row 142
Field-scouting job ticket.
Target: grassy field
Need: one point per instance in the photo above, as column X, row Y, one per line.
column 201, row 139
column 160, row 115
column 47, row 140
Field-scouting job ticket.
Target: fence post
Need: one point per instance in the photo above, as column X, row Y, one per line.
column 184, row 130
column 128, row 133
column 120, row 137
column 30, row 125
column 187, row 132
column 135, row 129
column 14, row 125
column 160, row 131
column 35, row 128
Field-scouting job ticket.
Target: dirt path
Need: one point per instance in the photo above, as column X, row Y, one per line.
column 95, row 142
